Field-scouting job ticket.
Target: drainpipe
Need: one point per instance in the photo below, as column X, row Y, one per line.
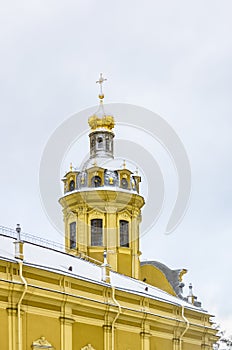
column 19, row 255
column 19, row 305
column 116, row 317
column 187, row 327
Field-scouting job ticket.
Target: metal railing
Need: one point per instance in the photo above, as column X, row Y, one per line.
column 28, row 237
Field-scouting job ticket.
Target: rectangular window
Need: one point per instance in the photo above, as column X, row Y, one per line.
column 124, row 233
column 73, row 237
column 96, row 232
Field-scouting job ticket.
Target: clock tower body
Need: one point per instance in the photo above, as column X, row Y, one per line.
column 101, row 204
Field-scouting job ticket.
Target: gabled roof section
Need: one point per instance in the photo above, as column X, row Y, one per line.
column 174, row 277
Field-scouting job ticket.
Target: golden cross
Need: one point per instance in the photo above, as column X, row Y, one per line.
column 100, row 82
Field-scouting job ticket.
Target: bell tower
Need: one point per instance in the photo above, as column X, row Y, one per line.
column 101, row 203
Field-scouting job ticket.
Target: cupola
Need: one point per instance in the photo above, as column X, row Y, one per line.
column 101, row 203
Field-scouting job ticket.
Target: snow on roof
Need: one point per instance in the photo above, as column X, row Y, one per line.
column 59, row 262
column 101, row 188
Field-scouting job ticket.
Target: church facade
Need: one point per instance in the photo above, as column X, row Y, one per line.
column 96, row 294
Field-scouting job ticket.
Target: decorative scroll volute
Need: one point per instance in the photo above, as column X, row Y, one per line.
column 88, row 347
column 42, row 343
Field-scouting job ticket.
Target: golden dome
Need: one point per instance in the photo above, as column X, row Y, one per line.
column 100, row 120
column 106, row 122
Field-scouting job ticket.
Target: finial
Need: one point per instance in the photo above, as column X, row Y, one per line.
column 190, row 296
column 105, row 268
column 105, row 256
column 71, row 167
column 19, row 244
column 18, row 230
column 124, row 164
column 136, row 171
column 100, row 82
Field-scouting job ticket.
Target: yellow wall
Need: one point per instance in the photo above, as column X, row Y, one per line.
column 3, row 330
column 38, row 325
column 84, row 334
column 124, row 264
column 127, row 340
column 161, row 344
column 156, row 278
column 187, row 346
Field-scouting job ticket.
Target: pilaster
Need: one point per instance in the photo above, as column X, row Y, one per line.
column 82, row 230
column 145, row 340
column 176, row 343
column 66, row 333
column 135, row 246
column 107, row 337
column 111, row 236
column 13, row 328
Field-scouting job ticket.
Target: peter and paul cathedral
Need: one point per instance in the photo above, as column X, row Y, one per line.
column 94, row 293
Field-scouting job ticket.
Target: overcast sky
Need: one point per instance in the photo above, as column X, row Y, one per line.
column 172, row 57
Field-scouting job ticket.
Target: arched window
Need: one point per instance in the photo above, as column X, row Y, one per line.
column 72, row 235
column 124, row 183
column 71, row 185
column 100, row 142
column 96, row 232
column 96, row 181
column 124, row 233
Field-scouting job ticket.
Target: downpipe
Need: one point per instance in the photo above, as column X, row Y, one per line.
column 186, row 328
column 116, row 317
column 19, row 305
